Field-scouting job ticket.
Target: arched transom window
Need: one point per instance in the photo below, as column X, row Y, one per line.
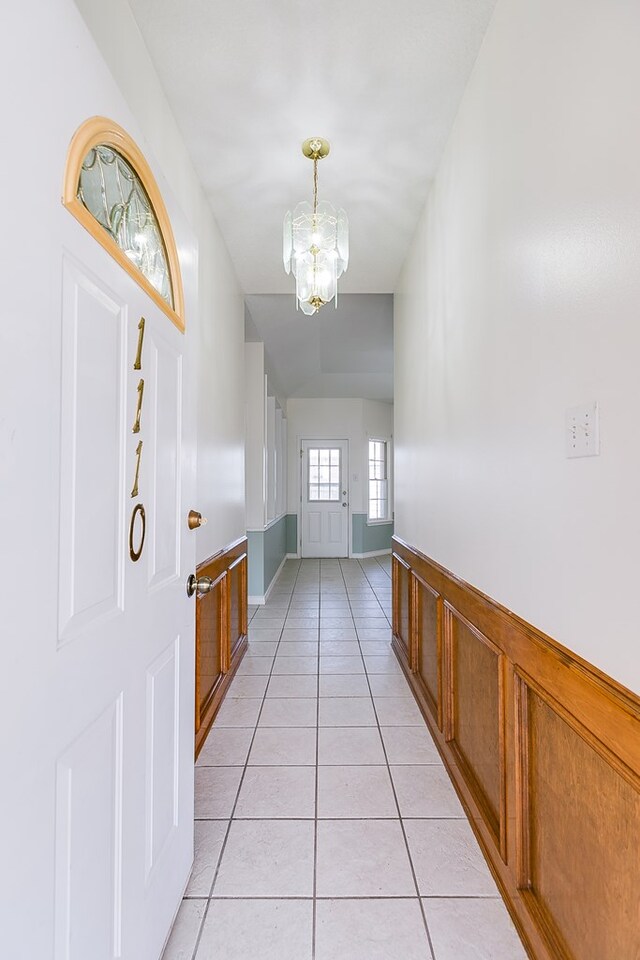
column 110, row 189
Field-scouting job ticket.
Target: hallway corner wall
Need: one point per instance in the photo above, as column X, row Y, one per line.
column 519, row 300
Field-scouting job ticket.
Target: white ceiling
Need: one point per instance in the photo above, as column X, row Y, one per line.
column 248, row 81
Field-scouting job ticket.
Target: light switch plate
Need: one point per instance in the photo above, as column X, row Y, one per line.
column 582, row 430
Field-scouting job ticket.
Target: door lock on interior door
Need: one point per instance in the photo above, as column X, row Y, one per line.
column 198, row 585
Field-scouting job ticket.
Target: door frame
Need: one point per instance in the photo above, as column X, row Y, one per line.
column 315, row 439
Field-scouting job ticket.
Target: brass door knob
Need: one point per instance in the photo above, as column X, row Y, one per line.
column 199, row 585
column 195, row 520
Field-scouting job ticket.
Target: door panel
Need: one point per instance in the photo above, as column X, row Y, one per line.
column 163, row 712
column 91, row 484
column 325, row 501
column 88, row 878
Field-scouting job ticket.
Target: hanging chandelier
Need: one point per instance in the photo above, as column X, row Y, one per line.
column 315, row 246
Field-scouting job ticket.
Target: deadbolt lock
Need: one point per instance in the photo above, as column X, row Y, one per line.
column 195, row 520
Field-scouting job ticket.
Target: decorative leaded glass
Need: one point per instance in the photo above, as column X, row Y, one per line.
column 112, row 192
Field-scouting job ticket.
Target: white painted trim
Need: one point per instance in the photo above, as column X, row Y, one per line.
column 292, row 556
column 271, row 523
column 371, row 553
column 259, row 601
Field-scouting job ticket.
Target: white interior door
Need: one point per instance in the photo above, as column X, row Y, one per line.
column 325, row 500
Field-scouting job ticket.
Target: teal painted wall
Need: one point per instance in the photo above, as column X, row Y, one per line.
column 292, row 533
column 275, row 549
column 366, row 539
column 266, row 550
column 255, row 552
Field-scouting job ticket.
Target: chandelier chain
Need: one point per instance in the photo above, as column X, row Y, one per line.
column 315, row 185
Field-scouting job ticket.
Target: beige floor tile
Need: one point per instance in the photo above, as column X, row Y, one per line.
column 369, row 635
column 225, row 747
column 333, row 633
column 260, row 648
column 387, row 664
column 339, row 648
column 215, row 791
column 447, row 859
column 472, row 929
column 252, row 929
column 267, row 858
column 248, row 687
column 374, row 648
column 186, row 928
column 409, row 745
column 341, row 665
column 398, row 712
column 284, row 746
column 389, row 685
column 425, row 791
column 349, row 746
column 298, row 648
column 338, row 685
column 346, row 712
column 236, row 712
column 255, row 667
column 362, row 858
column 370, row 930
column 355, row 791
column 208, row 839
column 294, row 665
column 299, row 633
column 292, row 686
column 289, row 712
column 284, row 792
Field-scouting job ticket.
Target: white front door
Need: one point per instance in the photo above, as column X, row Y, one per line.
column 122, row 740
column 325, row 501
column 97, row 698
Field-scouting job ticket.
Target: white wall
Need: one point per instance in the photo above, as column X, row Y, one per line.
column 255, row 436
column 220, row 320
column 520, row 297
column 350, row 419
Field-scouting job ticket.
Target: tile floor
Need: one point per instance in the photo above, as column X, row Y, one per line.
column 326, row 826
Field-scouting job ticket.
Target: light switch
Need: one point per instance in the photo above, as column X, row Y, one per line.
column 583, row 430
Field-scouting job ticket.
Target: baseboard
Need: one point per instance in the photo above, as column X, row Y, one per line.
column 292, row 556
column 371, row 553
column 543, row 750
column 260, row 599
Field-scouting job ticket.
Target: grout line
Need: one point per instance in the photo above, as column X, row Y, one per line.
column 233, row 809
column 395, row 797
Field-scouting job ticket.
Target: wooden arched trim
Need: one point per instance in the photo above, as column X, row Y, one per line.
column 100, row 130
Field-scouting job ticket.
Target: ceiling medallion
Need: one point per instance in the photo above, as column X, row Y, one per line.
column 315, row 246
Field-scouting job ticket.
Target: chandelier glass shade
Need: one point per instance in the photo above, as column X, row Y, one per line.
column 315, row 245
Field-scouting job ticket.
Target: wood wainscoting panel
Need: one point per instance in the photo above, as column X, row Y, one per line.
column 221, row 632
column 474, row 718
column 581, row 833
column 401, row 608
column 427, row 639
column 211, row 653
column 238, row 601
column 544, row 752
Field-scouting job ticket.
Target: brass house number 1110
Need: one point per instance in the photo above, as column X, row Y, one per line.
column 137, row 543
